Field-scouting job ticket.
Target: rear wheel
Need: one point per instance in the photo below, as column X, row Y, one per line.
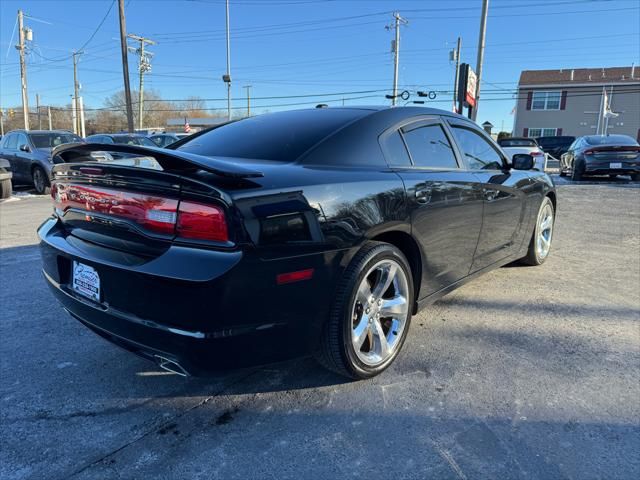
column 577, row 171
column 371, row 313
column 563, row 174
column 5, row 188
column 40, row 181
column 540, row 243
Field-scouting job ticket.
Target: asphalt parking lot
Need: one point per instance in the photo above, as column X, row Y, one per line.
column 525, row 373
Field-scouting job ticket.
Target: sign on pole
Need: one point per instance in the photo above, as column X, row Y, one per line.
column 467, row 84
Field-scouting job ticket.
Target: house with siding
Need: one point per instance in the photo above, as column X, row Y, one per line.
column 576, row 101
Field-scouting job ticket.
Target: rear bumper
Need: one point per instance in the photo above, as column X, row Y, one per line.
column 215, row 311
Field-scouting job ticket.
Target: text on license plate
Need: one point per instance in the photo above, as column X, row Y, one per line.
column 615, row 165
column 86, row 281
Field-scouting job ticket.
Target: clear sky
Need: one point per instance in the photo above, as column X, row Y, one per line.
column 285, row 48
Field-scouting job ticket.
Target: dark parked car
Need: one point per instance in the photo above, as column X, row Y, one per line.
column 165, row 139
column 29, row 154
column 555, row 146
column 121, row 139
column 5, row 178
column 319, row 230
column 602, row 155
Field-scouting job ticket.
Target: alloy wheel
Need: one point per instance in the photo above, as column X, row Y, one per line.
column 39, row 181
column 545, row 230
column 379, row 313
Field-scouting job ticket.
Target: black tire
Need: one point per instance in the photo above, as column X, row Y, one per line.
column 335, row 350
column 577, row 171
column 40, row 181
column 613, row 176
column 532, row 258
column 563, row 174
column 5, row 188
column 635, row 177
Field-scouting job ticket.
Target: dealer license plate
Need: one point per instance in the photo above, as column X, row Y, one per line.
column 86, row 281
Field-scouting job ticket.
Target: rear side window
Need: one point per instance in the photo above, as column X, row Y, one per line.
column 478, row 152
column 395, row 150
column 281, row 136
column 429, row 147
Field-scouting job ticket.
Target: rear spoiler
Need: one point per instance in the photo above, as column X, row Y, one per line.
column 170, row 160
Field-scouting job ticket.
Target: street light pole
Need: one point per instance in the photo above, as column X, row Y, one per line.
column 248, row 87
column 481, row 38
column 228, row 76
column 457, row 76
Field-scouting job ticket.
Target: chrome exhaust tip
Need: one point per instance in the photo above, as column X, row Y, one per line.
column 171, row 366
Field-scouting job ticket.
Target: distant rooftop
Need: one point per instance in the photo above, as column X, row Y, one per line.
column 580, row 75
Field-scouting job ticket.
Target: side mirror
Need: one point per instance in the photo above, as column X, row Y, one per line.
column 522, row 161
column 25, row 148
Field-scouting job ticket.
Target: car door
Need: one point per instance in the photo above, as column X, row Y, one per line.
column 23, row 158
column 8, row 152
column 504, row 191
column 443, row 199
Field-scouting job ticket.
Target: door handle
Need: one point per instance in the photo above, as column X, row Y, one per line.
column 423, row 195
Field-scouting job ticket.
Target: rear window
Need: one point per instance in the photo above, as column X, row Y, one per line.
column 610, row 140
column 52, row 140
column 281, row 136
column 517, row 142
column 555, row 141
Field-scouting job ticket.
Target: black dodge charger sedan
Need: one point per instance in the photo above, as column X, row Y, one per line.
column 312, row 231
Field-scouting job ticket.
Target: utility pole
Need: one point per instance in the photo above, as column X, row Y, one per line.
column 125, row 66
column 38, row 111
column 76, row 88
column 227, row 78
column 457, row 76
column 1, row 122
column 49, row 115
column 81, row 131
column 144, row 65
column 74, row 114
column 248, row 87
column 483, row 31
column 23, row 69
column 396, row 51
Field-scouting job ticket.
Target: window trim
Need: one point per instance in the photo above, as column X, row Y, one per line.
column 455, row 123
column 418, row 122
column 546, row 100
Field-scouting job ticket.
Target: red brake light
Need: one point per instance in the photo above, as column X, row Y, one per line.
column 537, row 154
column 589, row 151
column 201, row 222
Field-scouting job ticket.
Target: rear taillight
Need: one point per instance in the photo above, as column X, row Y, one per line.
column 537, row 154
column 167, row 216
column 201, row 222
column 589, row 151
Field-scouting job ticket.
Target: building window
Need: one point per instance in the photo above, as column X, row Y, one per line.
column 543, row 132
column 546, row 101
